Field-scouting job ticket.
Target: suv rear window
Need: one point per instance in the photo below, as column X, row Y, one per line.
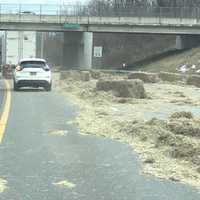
column 32, row 64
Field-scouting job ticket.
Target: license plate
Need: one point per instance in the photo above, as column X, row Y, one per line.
column 33, row 73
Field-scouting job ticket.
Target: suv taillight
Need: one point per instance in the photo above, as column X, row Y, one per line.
column 18, row 68
column 46, row 68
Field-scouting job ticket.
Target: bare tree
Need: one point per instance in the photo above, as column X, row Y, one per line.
column 178, row 3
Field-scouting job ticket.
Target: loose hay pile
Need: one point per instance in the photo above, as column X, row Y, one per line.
column 179, row 135
column 169, row 148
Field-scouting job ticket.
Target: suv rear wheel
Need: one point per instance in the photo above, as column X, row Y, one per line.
column 48, row 87
column 15, row 86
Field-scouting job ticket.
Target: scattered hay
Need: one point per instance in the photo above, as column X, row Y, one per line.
column 96, row 74
column 187, row 152
column 193, row 80
column 171, row 77
column 163, row 152
column 169, row 148
column 176, row 135
column 183, row 101
column 58, row 132
column 123, row 100
column 65, row 184
column 146, row 77
column 149, row 160
column 198, row 170
column 75, row 75
column 184, row 127
column 3, row 185
column 182, row 114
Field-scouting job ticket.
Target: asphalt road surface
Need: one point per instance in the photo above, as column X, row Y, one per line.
column 34, row 162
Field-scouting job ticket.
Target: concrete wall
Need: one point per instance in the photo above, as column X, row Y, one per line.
column 119, row 48
column 187, row 41
column 88, row 49
column 77, row 50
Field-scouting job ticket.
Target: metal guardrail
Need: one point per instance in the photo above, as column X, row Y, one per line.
column 151, row 11
column 19, row 12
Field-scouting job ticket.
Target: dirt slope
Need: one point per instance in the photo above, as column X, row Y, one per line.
column 189, row 58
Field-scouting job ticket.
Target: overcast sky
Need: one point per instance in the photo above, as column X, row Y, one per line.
column 43, row 1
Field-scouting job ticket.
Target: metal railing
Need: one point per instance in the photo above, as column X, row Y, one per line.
column 134, row 11
column 20, row 12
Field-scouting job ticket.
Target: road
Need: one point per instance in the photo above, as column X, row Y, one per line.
column 35, row 163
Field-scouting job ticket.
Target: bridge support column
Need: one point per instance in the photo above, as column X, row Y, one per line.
column 77, row 50
column 187, row 41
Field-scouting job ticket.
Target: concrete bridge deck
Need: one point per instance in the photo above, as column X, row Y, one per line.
column 100, row 24
column 100, row 18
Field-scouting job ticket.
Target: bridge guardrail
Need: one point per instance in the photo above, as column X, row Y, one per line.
column 62, row 13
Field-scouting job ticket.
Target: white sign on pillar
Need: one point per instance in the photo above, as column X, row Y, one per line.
column 98, row 51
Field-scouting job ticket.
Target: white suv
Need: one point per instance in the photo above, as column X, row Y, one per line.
column 32, row 72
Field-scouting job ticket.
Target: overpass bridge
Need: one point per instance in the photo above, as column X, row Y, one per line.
column 80, row 21
column 160, row 20
column 62, row 23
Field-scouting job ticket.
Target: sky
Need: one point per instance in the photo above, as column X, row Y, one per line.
column 43, row 1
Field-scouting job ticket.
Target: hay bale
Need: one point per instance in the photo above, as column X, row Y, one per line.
column 84, row 76
column 146, row 77
column 64, row 75
column 182, row 114
column 75, row 75
column 95, row 74
column 193, row 80
column 184, row 127
column 171, row 77
column 123, row 88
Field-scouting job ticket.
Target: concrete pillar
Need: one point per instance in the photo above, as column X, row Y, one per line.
column 77, row 50
column 187, row 41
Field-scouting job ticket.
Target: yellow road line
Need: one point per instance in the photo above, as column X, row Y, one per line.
column 6, row 111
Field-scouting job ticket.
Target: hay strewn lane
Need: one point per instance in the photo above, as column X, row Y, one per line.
column 103, row 114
